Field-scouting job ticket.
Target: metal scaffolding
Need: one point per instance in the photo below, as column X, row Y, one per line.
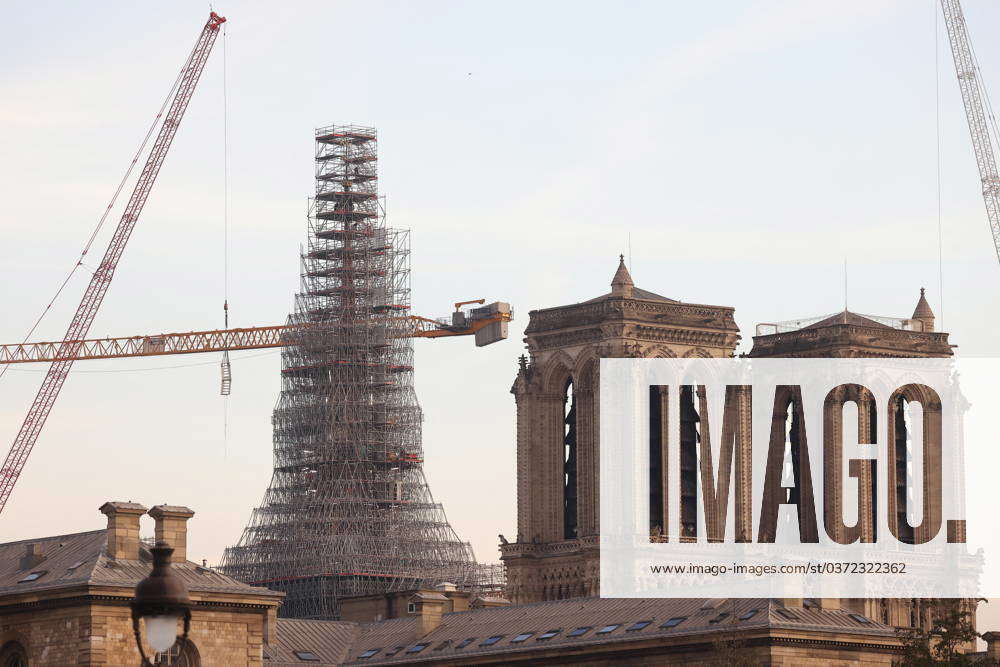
column 348, row 511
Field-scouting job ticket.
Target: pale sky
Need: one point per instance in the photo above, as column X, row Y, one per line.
column 747, row 149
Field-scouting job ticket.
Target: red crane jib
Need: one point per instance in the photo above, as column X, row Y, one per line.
column 98, row 287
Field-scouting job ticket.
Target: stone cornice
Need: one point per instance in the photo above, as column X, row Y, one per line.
column 122, row 601
column 698, row 316
column 854, row 340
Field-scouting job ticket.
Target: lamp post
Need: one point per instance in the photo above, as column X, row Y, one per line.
column 161, row 599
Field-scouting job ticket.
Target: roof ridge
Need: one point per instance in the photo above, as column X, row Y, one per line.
column 49, row 538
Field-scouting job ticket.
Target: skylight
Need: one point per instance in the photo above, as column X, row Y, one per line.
column 637, row 626
column 492, row 640
column 306, row 656
column 417, row 648
column 673, row 622
column 787, row 613
column 608, row 628
column 465, row 642
column 34, row 576
column 747, row 615
column 369, row 653
column 579, row 632
column 860, row 619
column 547, row 635
column 521, row 637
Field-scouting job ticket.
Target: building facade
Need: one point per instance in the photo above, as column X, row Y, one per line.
column 555, row 553
column 64, row 600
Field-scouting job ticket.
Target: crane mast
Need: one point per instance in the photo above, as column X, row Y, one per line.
column 973, row 94
column 101, row 280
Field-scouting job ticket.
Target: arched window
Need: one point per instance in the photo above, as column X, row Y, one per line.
column 569, row 463
column 13, row 654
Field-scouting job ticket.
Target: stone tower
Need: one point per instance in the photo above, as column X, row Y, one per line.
column 851, row 335
column 556, row 553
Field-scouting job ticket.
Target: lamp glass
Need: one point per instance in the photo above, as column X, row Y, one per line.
column 161, row 632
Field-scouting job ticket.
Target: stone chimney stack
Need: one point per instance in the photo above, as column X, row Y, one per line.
column 32, row 556
column 429, row 607
column 123, row 529
column 171, row 527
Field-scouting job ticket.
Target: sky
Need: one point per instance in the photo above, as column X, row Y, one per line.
column 738, row 153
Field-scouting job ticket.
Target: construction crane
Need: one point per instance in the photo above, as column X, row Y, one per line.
column 70, row 346
column 978, row 112
column 488, row 324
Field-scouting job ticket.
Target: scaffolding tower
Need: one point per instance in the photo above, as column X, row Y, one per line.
column 348, row 511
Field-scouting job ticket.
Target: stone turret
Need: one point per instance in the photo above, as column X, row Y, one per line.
column 621, row 284
column 923, row 312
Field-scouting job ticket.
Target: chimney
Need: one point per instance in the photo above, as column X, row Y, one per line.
column 484, row 601
column 123, row 529
column 171, row 527
column 428, row 606
column 32, row 556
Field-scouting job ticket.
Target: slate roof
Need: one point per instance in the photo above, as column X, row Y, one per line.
column 701, row 617
column 80, row 558
column 330, row 641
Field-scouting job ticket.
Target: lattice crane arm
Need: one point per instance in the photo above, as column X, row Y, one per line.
column 67, row 350
column 973, row 94
column 218, row 340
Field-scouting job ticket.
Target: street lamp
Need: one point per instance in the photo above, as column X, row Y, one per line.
column 161, row 599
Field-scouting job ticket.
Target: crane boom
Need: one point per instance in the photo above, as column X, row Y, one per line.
column 101, row 280
column 220, row 340
column 975, row 113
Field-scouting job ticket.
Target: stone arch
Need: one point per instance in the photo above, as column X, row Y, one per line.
column 661, row 352
column 697, row 353
column 13, row 654
column 558, row 370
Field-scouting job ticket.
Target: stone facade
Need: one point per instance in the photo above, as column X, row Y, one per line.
column 555, row 554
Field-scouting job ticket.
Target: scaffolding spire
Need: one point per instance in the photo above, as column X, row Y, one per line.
column 348, row 511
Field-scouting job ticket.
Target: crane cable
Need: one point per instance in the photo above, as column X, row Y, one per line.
column 107, row 211
column 226, row 368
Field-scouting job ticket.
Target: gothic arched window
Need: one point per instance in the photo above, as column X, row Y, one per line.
column 569, row 462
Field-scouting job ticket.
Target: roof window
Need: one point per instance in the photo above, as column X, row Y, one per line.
column 720, row 618
column 491, row 640
column 306, row 656
column 608, row 628
column 860, row 619
column 417, row 648
column 579, row 632
column 369, row 653
column 673, row 622
column 635, row 627
column 34, row 576
column 521, row 637
column 747, row 615
column 465, row 642
column 787, row 613
column 547, row 635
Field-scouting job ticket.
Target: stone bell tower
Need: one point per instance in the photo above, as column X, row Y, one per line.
column 556, row 553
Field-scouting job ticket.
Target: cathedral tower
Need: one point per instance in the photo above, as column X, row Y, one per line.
column 556, row 553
